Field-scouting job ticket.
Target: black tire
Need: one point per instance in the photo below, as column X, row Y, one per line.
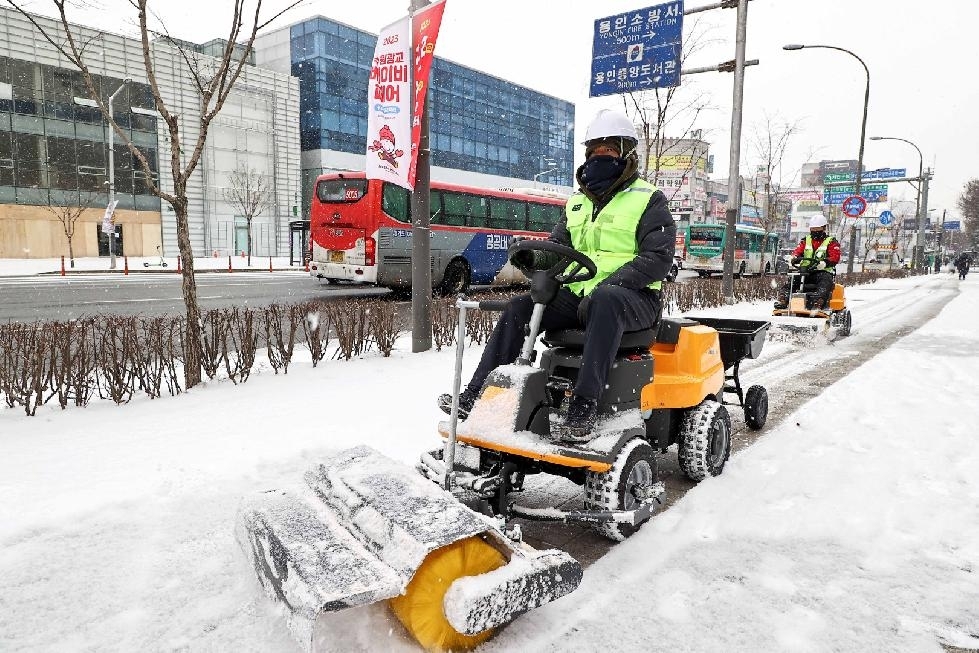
column 847, row 323
column 612, row 490
column 756, row 407
column 456, row 279
column 705, row 440
column 164, row 264
column 146, row 265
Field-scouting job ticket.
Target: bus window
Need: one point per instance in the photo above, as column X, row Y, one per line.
column 464, row 209
column 437, row 215
column 543, row 217
column 507, row 214
column 341, row 190
column 396, row 202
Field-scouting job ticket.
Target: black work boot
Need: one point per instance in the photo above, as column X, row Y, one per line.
column 580, row 420
column 466, row 400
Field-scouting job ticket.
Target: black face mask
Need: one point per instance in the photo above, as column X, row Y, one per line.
column 599, row 173
column 818, row 235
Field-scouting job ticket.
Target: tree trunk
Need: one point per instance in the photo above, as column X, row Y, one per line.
column 192, row 343
column 71, row 253
column 248, row 224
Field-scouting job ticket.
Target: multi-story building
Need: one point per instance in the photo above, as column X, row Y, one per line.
column 54, row 150
column 680, row 170
column 485, row 131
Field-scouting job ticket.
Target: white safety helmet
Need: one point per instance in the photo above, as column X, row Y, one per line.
column 817, row 221
column 608, row 123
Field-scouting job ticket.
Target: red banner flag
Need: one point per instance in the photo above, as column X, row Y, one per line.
column 424, row 32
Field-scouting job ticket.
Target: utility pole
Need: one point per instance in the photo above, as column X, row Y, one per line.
column 919, row 243
column 421, row 245
column 734, row 164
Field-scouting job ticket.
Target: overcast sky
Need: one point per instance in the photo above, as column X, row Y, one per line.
column 921, row 57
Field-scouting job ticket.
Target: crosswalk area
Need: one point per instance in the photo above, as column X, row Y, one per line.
column 119, row 279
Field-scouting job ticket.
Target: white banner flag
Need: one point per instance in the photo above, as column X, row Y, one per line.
column 108, row 222
column 389, row 107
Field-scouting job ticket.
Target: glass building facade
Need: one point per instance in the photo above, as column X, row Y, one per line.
column 54, row 151
column 478, row 122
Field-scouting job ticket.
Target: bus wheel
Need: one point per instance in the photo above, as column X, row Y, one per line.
column 456, row 279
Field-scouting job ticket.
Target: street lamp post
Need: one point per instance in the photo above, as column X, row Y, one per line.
column 920, row 211
column 112, row 169
column 863, row 133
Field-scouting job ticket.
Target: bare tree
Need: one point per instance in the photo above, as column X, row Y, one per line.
column 968, row 205
column 660, row 110
column 213, row 78
column 770, row 140
column 68, row 217
column 249, row 193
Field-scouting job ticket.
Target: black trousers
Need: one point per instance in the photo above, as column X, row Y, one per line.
column 819, row 283
column 613, row 310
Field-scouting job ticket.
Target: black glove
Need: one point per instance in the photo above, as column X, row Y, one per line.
column 583, row 309
column 524, row 259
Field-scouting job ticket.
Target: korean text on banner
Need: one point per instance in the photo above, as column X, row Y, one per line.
column 424, row 31
column 388, row 108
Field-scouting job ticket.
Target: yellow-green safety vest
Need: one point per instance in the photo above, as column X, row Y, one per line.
column 817, row 255
column 610, row 239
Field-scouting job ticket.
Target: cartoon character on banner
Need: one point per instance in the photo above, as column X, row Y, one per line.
column 385, row 146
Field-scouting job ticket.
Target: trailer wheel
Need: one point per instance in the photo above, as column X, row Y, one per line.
column 756, row 407
column 456, row 279
column 705, row 440
column 847, row 322
column 420, row 608
column 634, row 467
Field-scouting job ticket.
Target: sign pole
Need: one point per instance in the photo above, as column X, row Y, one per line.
column 421, row 245
column 734, row 164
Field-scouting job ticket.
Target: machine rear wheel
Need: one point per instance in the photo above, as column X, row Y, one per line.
column 634, row 468
column 846, row 323
column 705, row 440
column 420, row 608
column 756, row 407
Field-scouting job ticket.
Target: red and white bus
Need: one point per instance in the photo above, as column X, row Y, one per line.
column 360, row 231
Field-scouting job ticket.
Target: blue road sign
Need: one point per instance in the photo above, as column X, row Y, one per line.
column 952, row 225
column 832, row 197
column 637, row 50
column 854, row 206
column 886, row 217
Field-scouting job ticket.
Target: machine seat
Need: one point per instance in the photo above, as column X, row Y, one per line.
column 666, row 331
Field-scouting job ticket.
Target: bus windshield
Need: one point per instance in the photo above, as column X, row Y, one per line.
column 332, row 191
column 706, row 236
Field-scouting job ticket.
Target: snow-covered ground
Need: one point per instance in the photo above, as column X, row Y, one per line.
column 852, row 526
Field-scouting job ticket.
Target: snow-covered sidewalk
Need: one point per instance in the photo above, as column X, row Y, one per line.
column 853, row 526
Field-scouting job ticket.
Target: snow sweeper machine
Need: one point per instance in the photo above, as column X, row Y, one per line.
column 441, row 543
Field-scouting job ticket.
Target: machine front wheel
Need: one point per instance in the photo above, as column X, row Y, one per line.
column 634, row 469
column 420, row 608
column 756, row 407
column 705, row 440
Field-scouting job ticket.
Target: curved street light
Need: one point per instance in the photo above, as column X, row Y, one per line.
column 863, row 133
column 920, row 212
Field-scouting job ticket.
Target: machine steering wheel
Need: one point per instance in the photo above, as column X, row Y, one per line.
column 571, row 267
